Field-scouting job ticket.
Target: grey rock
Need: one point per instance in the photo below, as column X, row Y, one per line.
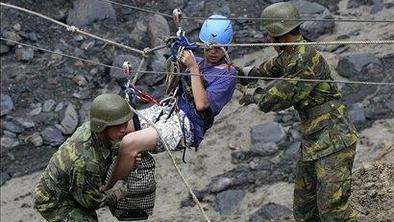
column 87, row 44
column 138, row 34
column 356, row 113
column 158, row 30
column 9, row 142
column 70, row 120
column 35, row 139
column 11, row 126
column 390, row 103
column 118, row 61
column 59, row 107
column 267, row 132
column 35, row 111
column 52, row 136
column 269, row 212
column 111, row 87
column 12, row 36
column 32, row 36
column 220, row 184
column 48, row 105
column 4, row 49
column 6, row 104
column 78, row 52
column 352, row 65
column 264, row 149
column 25, row 123
column 313, row 29
column 227, row 202
column 80, row 80
column 9, row 134
column 377, row 5
column 24, row 54
column 84, row 111
column 292, row 152
column 86, row 12
column 4, row 177
column 17, row 27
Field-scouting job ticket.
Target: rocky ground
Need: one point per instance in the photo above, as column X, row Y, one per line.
column 244, row 170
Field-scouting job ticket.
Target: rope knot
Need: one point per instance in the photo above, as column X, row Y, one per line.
column 72, row 28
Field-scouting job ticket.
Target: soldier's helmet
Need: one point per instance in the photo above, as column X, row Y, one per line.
column 109, row 110
column 276, row 26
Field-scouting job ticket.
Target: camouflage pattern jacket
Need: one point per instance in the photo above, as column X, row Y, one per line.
column 324, row 123
column 76, row 173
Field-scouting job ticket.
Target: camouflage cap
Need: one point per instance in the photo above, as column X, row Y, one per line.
column 277, row 27
column 109, row 110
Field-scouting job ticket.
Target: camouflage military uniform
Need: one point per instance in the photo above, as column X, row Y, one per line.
column 323, row 177
column 69, row 189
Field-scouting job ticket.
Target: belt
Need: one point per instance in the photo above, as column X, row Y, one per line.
column 319, row 110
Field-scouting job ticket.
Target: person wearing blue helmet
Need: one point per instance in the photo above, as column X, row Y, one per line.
column 201, row 96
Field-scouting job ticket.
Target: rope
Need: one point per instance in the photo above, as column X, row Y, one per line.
column 250, row 18
column 175, row 164
column 138, row 8
column 189, row 74
column 138, row 71
column 72, row 28
column 362, row 42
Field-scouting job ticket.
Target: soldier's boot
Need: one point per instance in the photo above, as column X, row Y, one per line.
column 305, row 205
column 334, row 175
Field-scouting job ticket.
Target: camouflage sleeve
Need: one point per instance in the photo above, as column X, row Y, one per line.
column 86, row 186
column 285, row 94
column 270, row 68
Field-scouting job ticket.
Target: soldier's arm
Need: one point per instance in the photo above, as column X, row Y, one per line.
column 270, row 68
column 285, row 94
column 86, row 186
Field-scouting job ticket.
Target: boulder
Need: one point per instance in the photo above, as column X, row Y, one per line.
column 4, row 49
column 86, row 12
column 227, row 202
column 6, row 104
column 4, row 177
column 264, row 149
column 268, row 132
column 52, row 136
column 49, row 105
column 70, row 120
column 84, row 111
column 25, row 123
column 12, row 36
column 269, row 212
column 11, row 126
column 356, row 113
column 158, row 30
column 9, row 142
column 219, row 184
column 352, row 65
column 313, row 29
column 35, row 139
column 24, row 54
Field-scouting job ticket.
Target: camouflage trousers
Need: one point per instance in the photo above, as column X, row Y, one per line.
column 322, row 188
column 55, row 210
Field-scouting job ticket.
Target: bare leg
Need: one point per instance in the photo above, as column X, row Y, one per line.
column 132, row 144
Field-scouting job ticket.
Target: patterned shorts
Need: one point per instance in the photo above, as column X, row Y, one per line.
column 174, row 129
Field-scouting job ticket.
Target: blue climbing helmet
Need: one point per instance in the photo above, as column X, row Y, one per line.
column 217, row 30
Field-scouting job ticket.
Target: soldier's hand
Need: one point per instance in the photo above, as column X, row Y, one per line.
column 120, row 189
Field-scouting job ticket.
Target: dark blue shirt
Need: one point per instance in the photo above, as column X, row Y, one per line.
column 220, row 89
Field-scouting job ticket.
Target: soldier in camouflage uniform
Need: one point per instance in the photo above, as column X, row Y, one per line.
column 70, row 189
column 323, row 174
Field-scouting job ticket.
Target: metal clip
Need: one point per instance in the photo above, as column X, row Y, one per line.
column 126, row 67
